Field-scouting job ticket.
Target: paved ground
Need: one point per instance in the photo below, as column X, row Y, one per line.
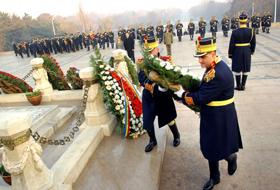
column 184, row 167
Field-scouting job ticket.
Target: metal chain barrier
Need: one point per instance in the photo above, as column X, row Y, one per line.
column 28, row 74
column 81, row 117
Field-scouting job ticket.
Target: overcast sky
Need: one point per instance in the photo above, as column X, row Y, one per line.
column 70, row 7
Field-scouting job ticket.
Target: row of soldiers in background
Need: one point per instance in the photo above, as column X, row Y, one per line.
column 256, row 21
column 64, row 44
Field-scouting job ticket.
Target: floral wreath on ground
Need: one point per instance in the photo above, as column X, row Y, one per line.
column 120, row 97
column 55, row 74
column 12, row 84
column 169, row 75
column 73, row 78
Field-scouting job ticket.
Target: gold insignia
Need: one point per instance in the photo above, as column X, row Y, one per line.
column 209, row 75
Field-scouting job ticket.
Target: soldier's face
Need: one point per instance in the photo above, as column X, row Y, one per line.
column 206, row 60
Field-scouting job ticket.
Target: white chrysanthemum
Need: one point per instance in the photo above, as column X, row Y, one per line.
column 111, row 93
column 120, row 101
column 107, row 68
column 176, row 69
column 123, row 121
column 117, row 107
column 122, row 111
column 139, row 124
column 162, row 63
column 107, row 73
column 184, row 71
column 101, row 66
column 111, row 69
column 109, row 77
column 108, row 87
column 122, row 97
column 107, row 83
column 169, row 67
column 102, row 72
column 115, row 80
column 104, row 78
column 117, row 97
column 121, row 106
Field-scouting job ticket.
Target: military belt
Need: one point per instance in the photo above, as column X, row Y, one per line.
column 221, row 103
column 242, row 44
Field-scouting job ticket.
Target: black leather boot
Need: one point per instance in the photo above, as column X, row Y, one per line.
column 214, row 175
column 210, row 184
column 153, row 142
column 232, row 164
column 238, row 82
column 244, row 79
column 176, row 135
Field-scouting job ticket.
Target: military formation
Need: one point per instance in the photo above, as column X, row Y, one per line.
column 75, row 42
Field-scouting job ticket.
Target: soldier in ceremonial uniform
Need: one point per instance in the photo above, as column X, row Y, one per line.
column 267, row 22
column 214, row 26
column 157, row 101
column 220, row 137
column 159, row 30
column 233, row 23
column 225, row 26
column 150, row 31
column 111, row 39
column 256, row 23
column 191, row 29
column 202, row 27
column 179, row 28
column 242, row 46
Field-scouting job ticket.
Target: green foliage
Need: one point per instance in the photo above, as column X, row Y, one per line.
column 55, row 74
column 34, row 93
column 132, row 70
column 74, row 79
column 3, row 172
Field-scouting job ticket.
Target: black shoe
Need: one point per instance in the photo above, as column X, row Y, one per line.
column 239, row 88
column 232, row 164
column 150, row 146
column 176, row 142
column 210, row 184
column 242, row 88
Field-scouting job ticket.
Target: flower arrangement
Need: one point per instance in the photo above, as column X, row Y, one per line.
column 169, row 75
column 12, row 84
column 120, row 97
column 55, row 74
column 5, row 175
column 74, row 79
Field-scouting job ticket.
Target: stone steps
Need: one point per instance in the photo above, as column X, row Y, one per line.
column 122, row 164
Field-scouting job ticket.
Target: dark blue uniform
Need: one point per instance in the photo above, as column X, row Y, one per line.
column 219, row 129
column 242, row 46
column 158, row 104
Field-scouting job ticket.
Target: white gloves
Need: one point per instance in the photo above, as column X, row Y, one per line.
column 180, row 92
column 162, row 89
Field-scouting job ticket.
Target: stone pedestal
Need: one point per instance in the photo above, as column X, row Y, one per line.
column 96, row 114
column 41, row 77
column 21, row 154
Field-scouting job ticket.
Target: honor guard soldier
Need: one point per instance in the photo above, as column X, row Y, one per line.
column 111, row 38
column 138, row 33
column 263, row 23
column 202, row 27
column 157, row 101
column 233, row 23
column 15, row 48
column 256, row 23
column 191, row 29
column 242, row 46
column 220, row 137
column 150, row 31
column 121, row 33
column 159, row 30
column 267, row 23
column 225, row 26
column 179, row 28
column 214, row 26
